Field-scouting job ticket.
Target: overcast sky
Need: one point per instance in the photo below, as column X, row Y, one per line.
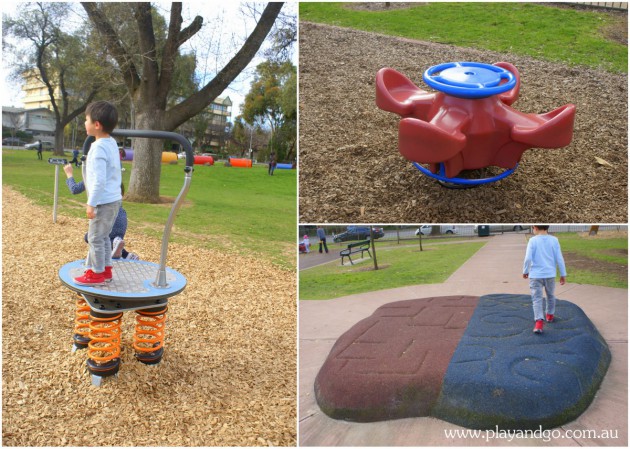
column 225, row 25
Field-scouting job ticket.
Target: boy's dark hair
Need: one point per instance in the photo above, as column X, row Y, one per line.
column 542, row 227
column 103, row 112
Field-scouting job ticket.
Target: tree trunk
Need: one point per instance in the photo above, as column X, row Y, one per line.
column 147, row 161
column 373, row 248
column 150, row 83
column 58, row 149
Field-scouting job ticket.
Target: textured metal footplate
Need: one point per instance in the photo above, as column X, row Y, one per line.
column 133, row 280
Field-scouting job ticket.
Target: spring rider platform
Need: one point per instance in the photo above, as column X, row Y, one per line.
column 468, row 124
column 137, row 285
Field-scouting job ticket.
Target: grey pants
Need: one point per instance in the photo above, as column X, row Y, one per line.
column 536, row 286
column 100, row 254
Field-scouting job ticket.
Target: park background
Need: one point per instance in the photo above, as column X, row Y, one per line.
column 405, row 256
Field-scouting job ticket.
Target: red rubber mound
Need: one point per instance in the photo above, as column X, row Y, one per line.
column 392, row 364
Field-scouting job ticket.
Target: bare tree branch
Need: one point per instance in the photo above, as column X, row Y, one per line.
column 113, row 43
column 197, row 102
column 148, row 49
column 176, row 37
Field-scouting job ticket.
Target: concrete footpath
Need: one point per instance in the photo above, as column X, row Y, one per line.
column 495, row 268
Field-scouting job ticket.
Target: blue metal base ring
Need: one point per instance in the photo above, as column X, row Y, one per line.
column 462, row 182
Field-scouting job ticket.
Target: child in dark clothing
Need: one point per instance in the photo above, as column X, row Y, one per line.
column 75, row 157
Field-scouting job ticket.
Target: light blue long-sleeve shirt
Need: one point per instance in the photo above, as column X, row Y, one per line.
column 542, row 256
column 103, row 173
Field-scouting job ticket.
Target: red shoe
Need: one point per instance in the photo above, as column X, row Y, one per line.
column 549, row 318
column 108, row 274
column 90, row 278
column 538, row 328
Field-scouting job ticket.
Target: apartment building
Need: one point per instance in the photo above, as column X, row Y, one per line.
column 38, row 122
column 37, row 113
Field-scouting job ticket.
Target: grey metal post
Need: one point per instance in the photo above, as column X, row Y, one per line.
column 56, row 193
column 56, row 162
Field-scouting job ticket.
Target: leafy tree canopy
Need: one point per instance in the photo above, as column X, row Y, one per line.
column 272, row 101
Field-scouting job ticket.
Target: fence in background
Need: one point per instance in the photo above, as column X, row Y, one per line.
column 397, row 234
column 607, row 5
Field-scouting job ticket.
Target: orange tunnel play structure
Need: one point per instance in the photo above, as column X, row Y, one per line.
column 240, row 162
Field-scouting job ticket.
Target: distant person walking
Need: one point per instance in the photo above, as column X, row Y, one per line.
column 322, row 239
column 542, row 256
column 75, row 157
column 39, row 150
column 272, row 162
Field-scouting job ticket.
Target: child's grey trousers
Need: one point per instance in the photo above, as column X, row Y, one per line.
column 536, row 286
column 100, row 254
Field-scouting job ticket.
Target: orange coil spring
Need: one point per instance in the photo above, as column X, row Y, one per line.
column 149, row 334
column 105, row 338
column 82, row 318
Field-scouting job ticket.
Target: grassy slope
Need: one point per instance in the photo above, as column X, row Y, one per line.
column 556, row 34
column 399, row 267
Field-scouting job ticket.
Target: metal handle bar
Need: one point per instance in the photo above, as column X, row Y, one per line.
column 164, row 135
column 160, row 280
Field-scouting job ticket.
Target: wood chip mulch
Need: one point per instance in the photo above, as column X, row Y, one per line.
column 228, row 376
column 351, row 170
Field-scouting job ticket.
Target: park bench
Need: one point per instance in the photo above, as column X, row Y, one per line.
column 353, row 248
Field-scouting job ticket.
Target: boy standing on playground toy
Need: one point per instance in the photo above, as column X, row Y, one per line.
column 117, row 236
column 542, row 256
column 102, row 181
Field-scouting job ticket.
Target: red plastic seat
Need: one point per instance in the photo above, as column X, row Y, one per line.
column 468, row 133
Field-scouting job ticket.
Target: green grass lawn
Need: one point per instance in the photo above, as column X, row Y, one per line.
column 545, row 32
column 398, row 267
column 605, row 249
column 598, row 261
column 231, row 209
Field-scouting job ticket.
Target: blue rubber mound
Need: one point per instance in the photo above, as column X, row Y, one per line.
column 502, row 374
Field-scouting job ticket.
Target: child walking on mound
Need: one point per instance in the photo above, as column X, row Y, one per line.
column 542, row 257
column 102, row 182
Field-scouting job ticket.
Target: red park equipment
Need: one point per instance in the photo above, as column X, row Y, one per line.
column 468, row 124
